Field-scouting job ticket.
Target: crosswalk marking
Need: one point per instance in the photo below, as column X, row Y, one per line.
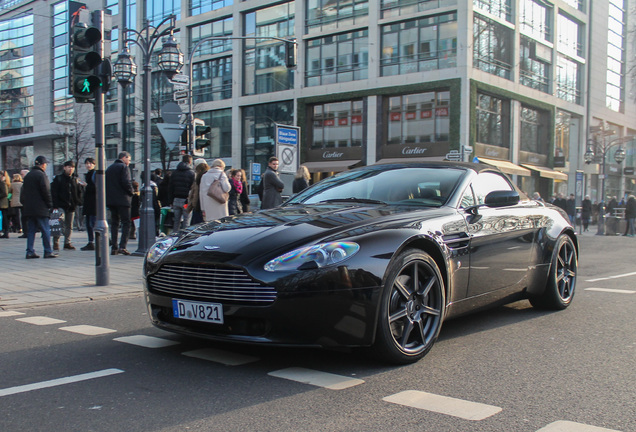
column 317, row 378
column 58, row 382
column 443, row 404
column 40, row 320
column 146, row 341
column 568, row 426
column 611, row 277
column 88, row 330
column 219, row 356
column 10, row 313
column 609, row 290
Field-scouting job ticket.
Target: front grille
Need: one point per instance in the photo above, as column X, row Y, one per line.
column 210, row 283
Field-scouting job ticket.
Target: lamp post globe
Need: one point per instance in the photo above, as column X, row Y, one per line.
column 170, row 58
column 620, row 155
column 124, row 67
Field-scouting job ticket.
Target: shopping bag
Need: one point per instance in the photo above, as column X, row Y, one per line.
column 56, row 222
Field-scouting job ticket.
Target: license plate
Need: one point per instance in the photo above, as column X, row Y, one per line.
column 198, row 311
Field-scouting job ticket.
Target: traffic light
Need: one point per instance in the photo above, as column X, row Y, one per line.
column 200, row 140
column 290, row 54
column 84, row 59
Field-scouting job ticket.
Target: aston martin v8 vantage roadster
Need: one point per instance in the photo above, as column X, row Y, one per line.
column 377, row 257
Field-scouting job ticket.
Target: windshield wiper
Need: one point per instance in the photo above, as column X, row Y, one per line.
column 356, row 200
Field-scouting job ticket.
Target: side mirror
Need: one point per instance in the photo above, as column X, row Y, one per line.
column 502, row 198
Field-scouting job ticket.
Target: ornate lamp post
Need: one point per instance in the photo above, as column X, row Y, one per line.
column 593, row 149
column 170, row 61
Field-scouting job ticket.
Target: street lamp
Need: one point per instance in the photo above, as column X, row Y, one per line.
column 170, row 61
column 594, row 148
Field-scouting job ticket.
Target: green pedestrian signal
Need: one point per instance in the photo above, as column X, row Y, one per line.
column 84, row 80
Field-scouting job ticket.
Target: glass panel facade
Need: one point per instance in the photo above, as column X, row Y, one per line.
column 338, row 124
column 337, row 58
column 562, row 135
column 535, row 19
column 16, row 75
column 393, row 8
column 568, row 80
column 259, row 130
column 198, row 7
column 220, row 28
column 419, row 45
column 212, row 80
column 158, row 10
column 264, row 59
column 492, row 121
column 325, row 15
column 220, row 123
column 533, row 72
column 615, row 89
column 570, row 36
column 533, row 131
column 492, row 47
column 499, row 8
column 417, row 118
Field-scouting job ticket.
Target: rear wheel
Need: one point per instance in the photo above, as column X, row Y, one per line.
column 413, row 303
column 561, row 284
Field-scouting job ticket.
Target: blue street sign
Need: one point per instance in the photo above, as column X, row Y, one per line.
column 475, row 159
column 256, row 178
column 287, row 135
column 256, row 169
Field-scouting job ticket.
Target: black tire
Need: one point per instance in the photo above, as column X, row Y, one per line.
column 412, row 308
column 561, row 285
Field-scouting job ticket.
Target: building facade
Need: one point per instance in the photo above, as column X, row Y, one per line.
column 529, row 86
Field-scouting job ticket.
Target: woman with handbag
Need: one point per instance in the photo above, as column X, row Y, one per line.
column 214, row 192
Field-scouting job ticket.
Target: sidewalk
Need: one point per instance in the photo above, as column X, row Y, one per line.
column 68, row 278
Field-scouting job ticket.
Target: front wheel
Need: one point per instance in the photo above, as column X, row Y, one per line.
column 559, row 290
column 412, row 309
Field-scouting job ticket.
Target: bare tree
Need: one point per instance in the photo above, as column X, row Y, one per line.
column 79, row 131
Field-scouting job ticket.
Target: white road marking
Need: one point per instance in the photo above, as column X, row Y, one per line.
column 146, row 341
column 568, row 426
column 617, row 291
column 611, row 277
column 88, row 330
column 10, row 313
column 58, row 382
column 40, row 320
column 443, row 404
column 317, row 378
column 219, row 356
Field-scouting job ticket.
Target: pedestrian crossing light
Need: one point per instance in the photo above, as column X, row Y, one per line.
column 85, row 58
column 200, row 139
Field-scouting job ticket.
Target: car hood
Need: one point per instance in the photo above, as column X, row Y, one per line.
column 278, row 230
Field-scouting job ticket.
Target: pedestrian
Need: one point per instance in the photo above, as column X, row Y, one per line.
column 586, row 212
column 570, row 208
column 119, row 193
column 180, row 184
column 194, row 203
column 301, row 180
column 611, row 205
column 5, row 186
column 16, row 205
column 36, row 205
column 163, row 189
column 65, row 198
column 211, row 208
column 630, row 215
column 234, row 204
column 559, row 201
column 272, row 185
column 89, row 209
column 537, row 196
column 244, row 198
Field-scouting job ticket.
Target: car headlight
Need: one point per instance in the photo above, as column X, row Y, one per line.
column 316, row 256
column 160, row 248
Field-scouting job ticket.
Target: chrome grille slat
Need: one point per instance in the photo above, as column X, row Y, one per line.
column 210, row 283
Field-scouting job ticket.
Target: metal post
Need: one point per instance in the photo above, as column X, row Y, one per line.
column 102, row 258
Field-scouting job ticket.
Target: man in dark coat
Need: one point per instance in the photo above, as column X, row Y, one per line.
column 119, row 192
column 272, row 185
column 66, row 198
column 89, row 209
column 179, row 187
column 36, row 206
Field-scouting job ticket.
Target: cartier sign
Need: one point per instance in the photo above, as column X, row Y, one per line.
column 332, row 155
column 413, row 150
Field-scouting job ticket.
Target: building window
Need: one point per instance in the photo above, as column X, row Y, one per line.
column 112, row 6
column 220, row 122
column 533, row 133
column 615, row 89
column 337, row 58
column 492, row 121
column 338, row 124
column 569, row 36
column 492, row 47
column 62, row 103
column 419, row 45
column 220, row 28
column 535, row 19
column 264, row 59
column 197, row 7
column 394, row 8
column 576, row 4
column 259, row 129
column 212, row 80
column 417, row 118
column 534, row 72
column 157, row 11
column 324, row 15
column 562, row 136
column 111, row 138
column 499, row 8
column 568, row 80
column 110, row 98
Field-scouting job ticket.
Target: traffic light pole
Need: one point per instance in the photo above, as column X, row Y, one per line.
column 102, row 260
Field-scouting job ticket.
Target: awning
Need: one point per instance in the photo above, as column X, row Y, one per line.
column 506, row 166
column 547, row 172
column 330, row 166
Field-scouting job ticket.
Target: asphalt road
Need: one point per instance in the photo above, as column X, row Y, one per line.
column 509, row 369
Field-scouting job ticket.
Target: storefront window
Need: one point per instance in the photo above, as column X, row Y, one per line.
column 492, row 115
column 339, row 124
column 259, row 130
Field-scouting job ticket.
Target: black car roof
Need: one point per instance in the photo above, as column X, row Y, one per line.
column 477, row 167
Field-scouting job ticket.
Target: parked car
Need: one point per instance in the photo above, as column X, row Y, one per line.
column 378, row 256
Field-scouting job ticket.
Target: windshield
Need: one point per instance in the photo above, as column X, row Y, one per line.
column 408, row 186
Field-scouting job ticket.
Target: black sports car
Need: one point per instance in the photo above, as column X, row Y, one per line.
column 377, row 256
